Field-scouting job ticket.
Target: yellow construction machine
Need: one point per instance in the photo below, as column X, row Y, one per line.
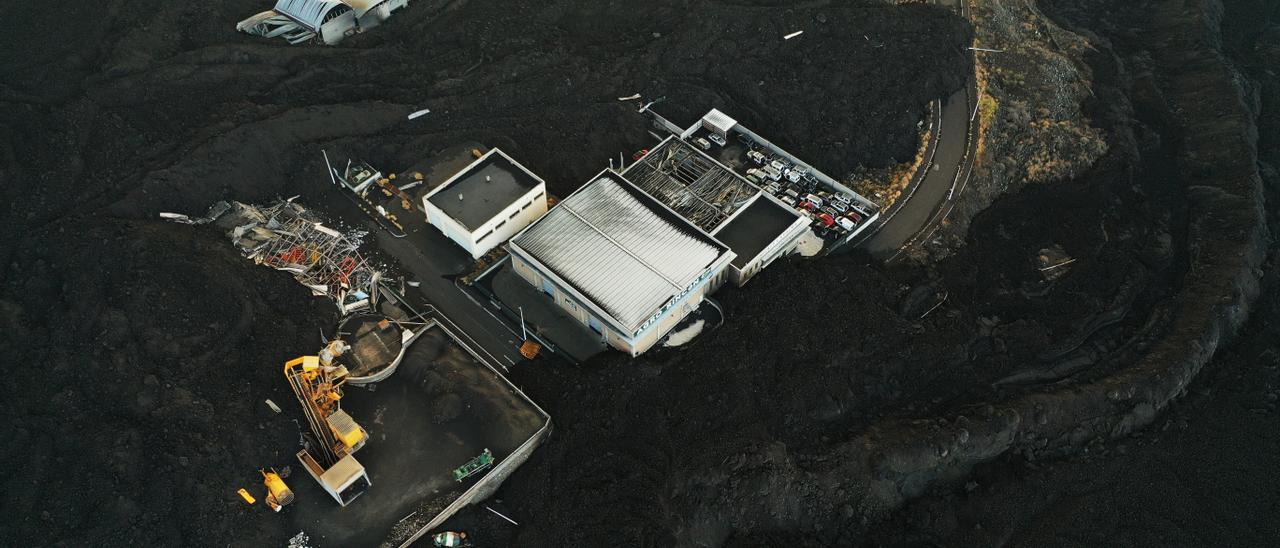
column 278, row 493
column 318, row 382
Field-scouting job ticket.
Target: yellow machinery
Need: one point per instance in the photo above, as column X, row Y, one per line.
column 318, row 381
column 278, row 493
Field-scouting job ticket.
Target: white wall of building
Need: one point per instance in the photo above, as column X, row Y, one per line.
column 499, row 228
column 784, row 244
column 503, row 226
column 596, row 321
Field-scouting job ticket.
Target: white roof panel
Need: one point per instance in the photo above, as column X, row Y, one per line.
column 611, row 244
column 719, row 121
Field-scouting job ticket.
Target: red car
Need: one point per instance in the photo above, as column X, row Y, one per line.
column 808, row 206
column 826, row 220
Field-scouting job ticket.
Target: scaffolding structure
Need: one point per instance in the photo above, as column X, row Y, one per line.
column 690, row 183
column 285, row 236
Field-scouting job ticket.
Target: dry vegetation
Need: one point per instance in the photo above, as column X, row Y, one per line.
column 886, row 185
column 1031, row 93
column 1032, row 129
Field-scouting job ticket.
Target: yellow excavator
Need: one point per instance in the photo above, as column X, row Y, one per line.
column 317, row 381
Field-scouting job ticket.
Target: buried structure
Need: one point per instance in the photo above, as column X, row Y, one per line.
column 436, row 425
column 325, row 21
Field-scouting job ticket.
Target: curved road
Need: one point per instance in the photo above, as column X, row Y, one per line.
column 934, row 189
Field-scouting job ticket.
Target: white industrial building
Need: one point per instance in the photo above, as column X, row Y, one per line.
column 621, row 262
column 486, row 203
column 635, row 250
column 328, row 21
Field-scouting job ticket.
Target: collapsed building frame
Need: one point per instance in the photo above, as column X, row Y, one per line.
column 691, row 183
column 285, row 236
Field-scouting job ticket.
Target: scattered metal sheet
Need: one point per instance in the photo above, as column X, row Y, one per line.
column 286, row 236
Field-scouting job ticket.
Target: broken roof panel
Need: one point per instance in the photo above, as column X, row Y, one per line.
column 691, row 183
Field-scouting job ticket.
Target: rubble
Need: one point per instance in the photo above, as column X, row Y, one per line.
column 286, row 236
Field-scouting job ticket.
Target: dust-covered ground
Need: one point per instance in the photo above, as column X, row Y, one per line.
column 139, row 351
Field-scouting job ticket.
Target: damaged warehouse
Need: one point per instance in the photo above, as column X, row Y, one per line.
column 325, row 21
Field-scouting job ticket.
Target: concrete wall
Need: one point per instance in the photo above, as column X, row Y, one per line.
column 513, row 219
column 489, row 483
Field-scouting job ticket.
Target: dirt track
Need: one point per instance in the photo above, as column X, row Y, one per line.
column 140, row 340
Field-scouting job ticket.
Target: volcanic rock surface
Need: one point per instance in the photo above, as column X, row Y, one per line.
column 139, row 351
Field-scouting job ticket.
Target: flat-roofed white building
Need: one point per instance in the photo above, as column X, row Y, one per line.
column 759, row 233
column 486, row 203
column 620, row 262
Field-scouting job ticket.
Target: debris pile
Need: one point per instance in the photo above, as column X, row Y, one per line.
column 286, row 236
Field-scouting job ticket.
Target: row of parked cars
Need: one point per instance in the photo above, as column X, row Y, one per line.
column 834, row 214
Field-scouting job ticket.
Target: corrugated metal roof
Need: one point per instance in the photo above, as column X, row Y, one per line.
column 308, row 12
column 624, row 256
column 719, row 121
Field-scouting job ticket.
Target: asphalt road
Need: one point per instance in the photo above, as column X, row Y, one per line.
column 433, row 261
column 933, row 191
